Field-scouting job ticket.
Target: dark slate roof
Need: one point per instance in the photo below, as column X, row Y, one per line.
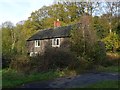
column 52, row 33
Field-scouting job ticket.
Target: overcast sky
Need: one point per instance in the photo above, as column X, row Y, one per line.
column 17, row 10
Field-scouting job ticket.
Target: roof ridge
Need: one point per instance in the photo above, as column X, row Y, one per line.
column 62, row 31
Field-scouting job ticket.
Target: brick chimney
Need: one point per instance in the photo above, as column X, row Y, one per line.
column 57, row 23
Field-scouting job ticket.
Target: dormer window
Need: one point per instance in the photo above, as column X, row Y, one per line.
column 56, row 42
column 37, row 43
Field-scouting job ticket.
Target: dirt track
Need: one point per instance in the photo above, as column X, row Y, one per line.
column 74, row 82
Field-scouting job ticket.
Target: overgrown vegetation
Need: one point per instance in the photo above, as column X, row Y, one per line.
column 52, row 59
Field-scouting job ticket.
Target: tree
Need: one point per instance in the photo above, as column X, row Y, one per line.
column 85, row 43
column 112, row 42
column 101, row 26
column 7, row 32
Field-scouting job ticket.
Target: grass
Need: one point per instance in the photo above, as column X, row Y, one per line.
column 112, row 63
column 105, row 84
column 109, row 69
column 12, row 78
column 101, row 84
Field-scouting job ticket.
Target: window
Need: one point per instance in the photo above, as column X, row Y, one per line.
column 36, row 52
column 33, row 54
column 56, row 42
column 37, row 43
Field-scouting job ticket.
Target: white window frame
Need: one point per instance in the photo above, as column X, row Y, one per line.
column 54, row 42
column 36, row 43
column 31, row 54
column 36, row 52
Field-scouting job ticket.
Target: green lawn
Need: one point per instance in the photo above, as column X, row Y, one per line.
column 102, row 84
column 11, row 78
column 105, row 84
column 109, row 69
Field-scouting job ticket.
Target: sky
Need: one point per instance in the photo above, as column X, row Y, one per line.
column 18, row 10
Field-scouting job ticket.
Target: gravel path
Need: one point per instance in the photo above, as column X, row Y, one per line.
column 74, row 82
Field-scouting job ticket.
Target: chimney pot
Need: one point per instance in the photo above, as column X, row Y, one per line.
column 57, row 19
column 57, row 23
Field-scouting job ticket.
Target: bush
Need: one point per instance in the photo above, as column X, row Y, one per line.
column 112, row 42
column 20, row 63
column 84, row 64
column 95, row 54
column 99, row 53
column 61, row 58
column 6, row 61
column 55, row 58
column 52, row 58
column 112, row 59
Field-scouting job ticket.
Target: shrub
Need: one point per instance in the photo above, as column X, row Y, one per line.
column 57, row 58
column 99, row 53
column 20, row 63
column 82, row 65
column 112, row 42
column 53, row 58
column 6, row 61
column 111, row 59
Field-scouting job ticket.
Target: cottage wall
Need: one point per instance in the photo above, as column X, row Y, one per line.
column 46, row 43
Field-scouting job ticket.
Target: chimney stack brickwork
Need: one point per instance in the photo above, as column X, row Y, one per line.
column 57, row 23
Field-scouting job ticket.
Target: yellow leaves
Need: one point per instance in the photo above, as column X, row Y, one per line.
column 112, row 41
